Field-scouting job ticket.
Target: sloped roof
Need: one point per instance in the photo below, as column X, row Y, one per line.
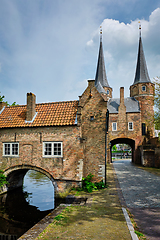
column 132, row 105
column 48, row 114
column 141, row 74
column 101, row 78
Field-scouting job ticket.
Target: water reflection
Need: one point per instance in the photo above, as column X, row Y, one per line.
column 40, row 190
column 22, row 208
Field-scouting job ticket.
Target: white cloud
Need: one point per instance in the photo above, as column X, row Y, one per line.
column 50, row 48
column 120, row 44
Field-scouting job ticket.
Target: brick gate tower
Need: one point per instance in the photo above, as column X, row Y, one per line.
column 130, row 119
column 143, row 91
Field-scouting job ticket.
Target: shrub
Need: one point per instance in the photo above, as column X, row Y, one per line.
column 89, row 186
column 2, row 179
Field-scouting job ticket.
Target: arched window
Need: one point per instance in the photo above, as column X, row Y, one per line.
column 143, row 88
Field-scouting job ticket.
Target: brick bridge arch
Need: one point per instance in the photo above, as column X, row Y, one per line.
column 15, row 176
column 128, row 141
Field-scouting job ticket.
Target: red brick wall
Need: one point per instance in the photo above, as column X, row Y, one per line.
column 146, row 101
column 68, row 167
column 93, row 118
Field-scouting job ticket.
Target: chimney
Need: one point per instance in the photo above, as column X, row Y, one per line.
column 2, row 105
column 122, row 96
column 31, row 106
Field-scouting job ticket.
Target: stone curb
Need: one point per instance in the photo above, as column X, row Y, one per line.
column 129, row 224
column 34, row 232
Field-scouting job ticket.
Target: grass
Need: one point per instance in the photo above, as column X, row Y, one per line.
column 136, row 229
column 155, row 171
column 100, row 218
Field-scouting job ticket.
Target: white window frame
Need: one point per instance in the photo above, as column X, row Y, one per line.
column 130, row 129
column 144, row 88
column 11, row 147
column 53, row 148
column 114, row 128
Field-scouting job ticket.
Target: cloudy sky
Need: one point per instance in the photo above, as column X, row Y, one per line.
column 50, row 47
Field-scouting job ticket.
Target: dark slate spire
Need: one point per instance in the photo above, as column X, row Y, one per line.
column 101, row 78
column 141, row 69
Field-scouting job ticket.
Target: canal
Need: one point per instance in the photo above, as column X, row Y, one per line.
column 22, row 208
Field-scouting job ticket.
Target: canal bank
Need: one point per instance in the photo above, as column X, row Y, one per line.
column 100, row 218
column 22, row 208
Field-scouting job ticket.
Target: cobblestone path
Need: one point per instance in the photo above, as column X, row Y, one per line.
column 140, row 189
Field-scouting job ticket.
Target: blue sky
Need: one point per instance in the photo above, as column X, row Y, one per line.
column 50, row 47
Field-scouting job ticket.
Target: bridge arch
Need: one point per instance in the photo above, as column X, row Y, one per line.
column 128, row 141
column 15, row 176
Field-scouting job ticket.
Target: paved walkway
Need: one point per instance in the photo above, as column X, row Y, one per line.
column 141, row 192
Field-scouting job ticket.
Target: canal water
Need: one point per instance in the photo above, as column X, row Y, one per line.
column 22, row 208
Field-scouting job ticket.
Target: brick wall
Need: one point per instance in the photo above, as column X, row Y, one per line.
column 69, row 167
column 93, row 119
column 146, row 101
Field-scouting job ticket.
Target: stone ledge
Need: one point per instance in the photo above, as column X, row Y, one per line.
column 34, row 232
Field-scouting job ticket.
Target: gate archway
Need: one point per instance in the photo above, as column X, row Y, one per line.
column 128, row 141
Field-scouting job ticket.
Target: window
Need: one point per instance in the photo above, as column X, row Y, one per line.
column 143, row 88
column 114, row 126
column 92, row 118
column 143, row 129
column 10, row 149
column 107, row 92
column 52, row 149
column 130, row 126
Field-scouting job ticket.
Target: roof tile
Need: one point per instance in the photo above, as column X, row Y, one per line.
column 48, row 114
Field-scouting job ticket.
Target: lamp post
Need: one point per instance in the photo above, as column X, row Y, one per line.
column 106, row 133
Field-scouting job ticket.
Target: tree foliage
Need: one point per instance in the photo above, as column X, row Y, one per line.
column 2, row 100
column 3, row 180
column 157, row 103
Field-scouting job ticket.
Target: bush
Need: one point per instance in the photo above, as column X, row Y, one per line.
column 100, row 184
column 2, row 179
column 89, row 186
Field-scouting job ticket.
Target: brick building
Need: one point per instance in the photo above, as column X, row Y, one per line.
column 69, row 140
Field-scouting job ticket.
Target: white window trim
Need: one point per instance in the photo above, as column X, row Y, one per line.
column 11, row 144
column 115, row 125
column 129, row 127
column 52, row 149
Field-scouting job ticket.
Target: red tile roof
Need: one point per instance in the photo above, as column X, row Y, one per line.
column 48, row 114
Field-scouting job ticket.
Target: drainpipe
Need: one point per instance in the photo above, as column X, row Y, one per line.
column 106, row 132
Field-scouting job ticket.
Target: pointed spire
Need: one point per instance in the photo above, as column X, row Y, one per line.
column 141, row 69
column 101, row 78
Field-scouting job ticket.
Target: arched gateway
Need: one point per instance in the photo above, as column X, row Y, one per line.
column 128, row 141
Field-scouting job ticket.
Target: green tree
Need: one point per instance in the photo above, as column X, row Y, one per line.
column 2, row 100
column 3, row 180
column 157, row 103
column 114, row 148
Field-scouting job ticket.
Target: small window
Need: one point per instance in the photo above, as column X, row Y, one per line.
column 92, row 118
column 143, row 129
column 130, row 126
column 10, row 149
column 143, row 88
column 107, row 92
column 114, row 126
column 52, row 149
